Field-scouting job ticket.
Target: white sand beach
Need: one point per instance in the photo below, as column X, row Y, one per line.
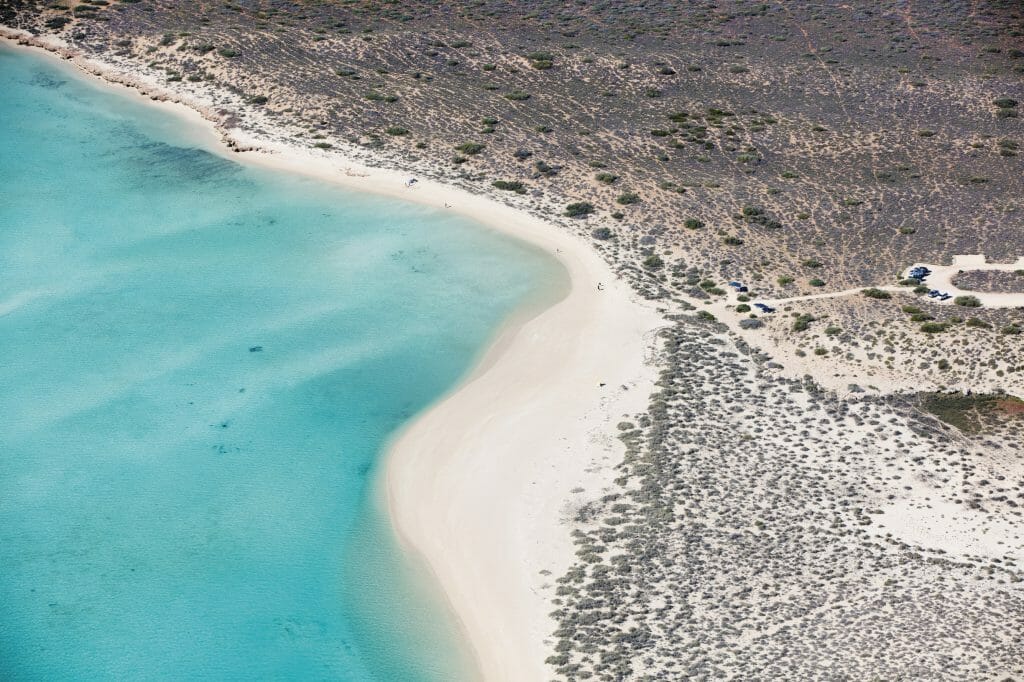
column 482, row 484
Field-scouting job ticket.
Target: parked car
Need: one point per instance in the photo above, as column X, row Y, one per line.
column 919, row 273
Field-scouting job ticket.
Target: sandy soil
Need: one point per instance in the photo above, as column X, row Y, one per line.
column 942, row 277
column 481, row 485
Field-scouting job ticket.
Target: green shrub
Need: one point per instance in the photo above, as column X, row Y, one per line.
column 323, row 145
column 543, row 168
column 911, row 309
column 817, row 282
column 802, row 322
column 627, row 198
column 541, row 60
column 783, row 280
column 1005, row 102
column 602, row 233
column 470, row 148
column 975, row 322
column 510, row 186
column 705, row 315
column 606, row 178
column 743, row 308
column 876, row 293
column 1012, row 329
column 579, row 209
column 732, row 241
column 693, row 224
column 967, row 301
column 396, row 131
column 653, row 262
column 228, row 52
column 518, row 96
column 934, row 327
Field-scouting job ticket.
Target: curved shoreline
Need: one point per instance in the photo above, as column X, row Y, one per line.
column 478, row 484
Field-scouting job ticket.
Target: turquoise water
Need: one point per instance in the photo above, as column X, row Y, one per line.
column 201, row 362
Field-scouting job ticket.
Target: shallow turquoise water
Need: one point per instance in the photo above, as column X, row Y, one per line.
column 201, row 363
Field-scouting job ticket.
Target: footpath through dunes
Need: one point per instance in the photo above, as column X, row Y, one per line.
column 940, row 278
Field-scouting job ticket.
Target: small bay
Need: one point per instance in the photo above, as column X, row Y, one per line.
column 202, row 363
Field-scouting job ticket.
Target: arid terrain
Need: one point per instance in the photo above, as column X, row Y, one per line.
column 832, row 490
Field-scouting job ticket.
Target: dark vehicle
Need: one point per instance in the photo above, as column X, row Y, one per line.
column 919, row 272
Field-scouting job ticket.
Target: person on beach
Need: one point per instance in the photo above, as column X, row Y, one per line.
column 600, row 287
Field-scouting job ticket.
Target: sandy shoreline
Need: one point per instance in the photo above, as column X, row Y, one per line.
column 479, row 485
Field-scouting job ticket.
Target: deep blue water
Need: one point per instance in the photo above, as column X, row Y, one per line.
column 200, row 363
